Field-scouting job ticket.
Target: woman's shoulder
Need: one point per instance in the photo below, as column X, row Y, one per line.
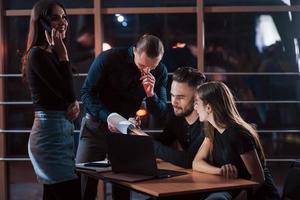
column 241, row 139
column 236, row 131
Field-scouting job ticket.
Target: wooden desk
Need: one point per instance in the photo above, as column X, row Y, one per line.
column 191, row 183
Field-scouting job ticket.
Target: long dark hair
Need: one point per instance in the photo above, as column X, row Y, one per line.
column 225, row 113
column 36, row 36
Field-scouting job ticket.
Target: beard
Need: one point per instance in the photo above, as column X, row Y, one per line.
column 185, row 112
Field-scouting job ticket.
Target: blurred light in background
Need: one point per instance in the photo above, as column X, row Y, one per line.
column 120, row 18
column 106, row 46
column 179, row 45
column 141, row 112
column 287, row 2
column 266, row 32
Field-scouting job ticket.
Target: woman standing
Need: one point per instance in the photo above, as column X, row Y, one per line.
column 231, row 147
column 47, row 70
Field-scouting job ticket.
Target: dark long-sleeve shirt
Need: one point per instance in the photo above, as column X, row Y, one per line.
column 50, row 81
column 190, row 137
column 113, row 85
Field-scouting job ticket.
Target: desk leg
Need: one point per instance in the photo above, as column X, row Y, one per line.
column 101, row 190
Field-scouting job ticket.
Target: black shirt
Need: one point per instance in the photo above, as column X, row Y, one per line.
column 50, row 81
column 190, row 137
column 113, row 85
column 228, row 147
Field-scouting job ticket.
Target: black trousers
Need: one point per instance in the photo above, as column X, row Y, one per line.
column 61, row 191
column 90, row 190
column 93, row 147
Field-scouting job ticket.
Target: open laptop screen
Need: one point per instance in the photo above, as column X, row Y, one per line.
column 132, row 154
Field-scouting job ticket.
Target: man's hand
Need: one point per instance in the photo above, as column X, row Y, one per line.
column 136, row 121
column 229, row 171
column 137, row 131
column 112, row 128
column 73, row 111
column 148, row 81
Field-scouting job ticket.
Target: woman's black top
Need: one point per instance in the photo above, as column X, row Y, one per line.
column 50, row 81
column 228, row 147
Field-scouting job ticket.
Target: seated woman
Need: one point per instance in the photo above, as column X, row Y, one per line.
column 231, row 147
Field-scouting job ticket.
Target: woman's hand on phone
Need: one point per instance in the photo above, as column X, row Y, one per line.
column 55, row 40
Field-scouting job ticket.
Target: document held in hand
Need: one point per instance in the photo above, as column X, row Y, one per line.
column 98, row 166
column 120, row 123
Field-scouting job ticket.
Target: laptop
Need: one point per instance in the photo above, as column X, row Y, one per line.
column 132, row 159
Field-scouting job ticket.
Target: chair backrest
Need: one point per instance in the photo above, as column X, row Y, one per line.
column 291, row 188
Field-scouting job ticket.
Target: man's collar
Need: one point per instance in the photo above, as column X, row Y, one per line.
column 195, row 118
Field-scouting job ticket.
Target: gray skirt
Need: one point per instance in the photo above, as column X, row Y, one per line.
column 51, row 147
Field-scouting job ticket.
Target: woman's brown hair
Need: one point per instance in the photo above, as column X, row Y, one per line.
column 36, row 36
column 225, row 113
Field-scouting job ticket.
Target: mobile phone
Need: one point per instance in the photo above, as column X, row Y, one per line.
column 46, row 25
column 92, row 164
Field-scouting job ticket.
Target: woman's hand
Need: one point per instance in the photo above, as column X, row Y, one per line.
column 55, row 40
column 229, row 171
column 73, row 111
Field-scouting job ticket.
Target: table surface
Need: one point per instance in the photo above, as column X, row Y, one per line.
column 192, row 182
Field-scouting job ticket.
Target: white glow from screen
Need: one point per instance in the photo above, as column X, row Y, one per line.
column 266, row 32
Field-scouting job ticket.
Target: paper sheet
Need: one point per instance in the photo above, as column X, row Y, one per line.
column 97, row 169
column 120, row 123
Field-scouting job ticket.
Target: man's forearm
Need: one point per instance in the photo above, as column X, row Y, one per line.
column 179, row 158
column 155, row 105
